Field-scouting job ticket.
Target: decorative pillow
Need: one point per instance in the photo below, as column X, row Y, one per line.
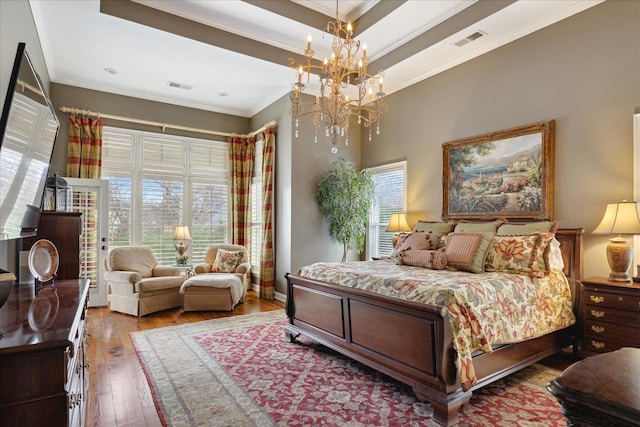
column 400, row 241
column 437, row 230
column 540, row 261
column 528, row 228
column 467, row 251
column 226, row 261
column 556, row 262
column 477, row 227
column 418, row 240
column 512, row 254
column 435, row 260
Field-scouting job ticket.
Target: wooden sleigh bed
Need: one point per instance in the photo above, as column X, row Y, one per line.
column 412, row 342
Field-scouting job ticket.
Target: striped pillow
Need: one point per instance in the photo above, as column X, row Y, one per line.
column 418, row 240
column 467, row 251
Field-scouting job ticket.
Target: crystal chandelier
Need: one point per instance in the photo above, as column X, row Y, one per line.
column 333, row 107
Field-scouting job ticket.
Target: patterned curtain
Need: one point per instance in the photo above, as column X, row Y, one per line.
column 84, row 150
column 242, row 153
column 267, row 276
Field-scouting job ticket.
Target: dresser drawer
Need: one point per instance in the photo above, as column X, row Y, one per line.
column 611, row 315
column 620, row 301
column 600, row 345
column 616, row 332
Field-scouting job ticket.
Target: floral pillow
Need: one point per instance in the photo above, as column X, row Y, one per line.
column 512, row 254
column 520, row 254
column 226, row 261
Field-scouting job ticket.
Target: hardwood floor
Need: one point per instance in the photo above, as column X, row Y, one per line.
column 118, row 391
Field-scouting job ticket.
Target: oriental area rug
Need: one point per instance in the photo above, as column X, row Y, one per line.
column 241, row 371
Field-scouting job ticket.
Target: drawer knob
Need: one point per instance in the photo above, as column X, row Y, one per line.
column 598, row 314
column 597, row 329
column 597, row 344
column 596, row 299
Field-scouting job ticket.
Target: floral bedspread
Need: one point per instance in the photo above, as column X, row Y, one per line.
column 484, row 309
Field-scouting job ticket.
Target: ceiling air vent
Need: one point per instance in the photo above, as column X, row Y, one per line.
column 470, row 38
column 180, row 85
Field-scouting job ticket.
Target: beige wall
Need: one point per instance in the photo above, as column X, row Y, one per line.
column 583, row 72
column 301, row 235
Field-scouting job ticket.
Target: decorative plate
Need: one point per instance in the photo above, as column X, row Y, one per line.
column 44, row 309
column 43, row 260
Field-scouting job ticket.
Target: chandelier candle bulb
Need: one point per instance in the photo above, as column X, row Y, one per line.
column 309, row 42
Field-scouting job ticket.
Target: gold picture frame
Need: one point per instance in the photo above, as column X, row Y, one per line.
column 504, row 174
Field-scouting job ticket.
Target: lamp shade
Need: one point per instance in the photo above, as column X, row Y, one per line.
column 182, row 233
column 398, row 222
column 619, row 218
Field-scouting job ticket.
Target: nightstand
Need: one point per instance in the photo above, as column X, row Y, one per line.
column 610, row 315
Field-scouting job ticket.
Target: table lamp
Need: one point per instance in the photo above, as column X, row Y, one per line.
column 181, row 234
column 397, row 224
column 619, row 218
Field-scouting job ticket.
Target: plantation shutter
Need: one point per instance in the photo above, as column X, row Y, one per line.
column 389, row 197
column 256, row 212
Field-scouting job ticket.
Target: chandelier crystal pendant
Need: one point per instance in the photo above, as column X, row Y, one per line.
column 333, row 107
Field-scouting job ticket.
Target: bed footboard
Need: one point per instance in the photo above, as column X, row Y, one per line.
column 410, row 342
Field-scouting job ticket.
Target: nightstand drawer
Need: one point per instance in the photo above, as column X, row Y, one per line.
column 619, row 301
column 611, row 315
column 609, row 331
column 600, row 345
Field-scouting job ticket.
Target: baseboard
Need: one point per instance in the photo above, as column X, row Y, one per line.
column 276, row 295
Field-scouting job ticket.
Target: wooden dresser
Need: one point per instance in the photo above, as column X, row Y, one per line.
column 63, row 229
column 43, row 376
column 610, row 315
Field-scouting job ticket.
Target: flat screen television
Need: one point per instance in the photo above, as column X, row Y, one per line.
column 28, row 130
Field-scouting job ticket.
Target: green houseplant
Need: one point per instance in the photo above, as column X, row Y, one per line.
column 344, row 197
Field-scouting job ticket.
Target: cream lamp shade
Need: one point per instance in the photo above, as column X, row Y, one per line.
column 619, row 218
column 398, row 222
column 181, row 234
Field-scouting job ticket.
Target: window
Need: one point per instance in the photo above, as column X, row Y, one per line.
column 256, row 212
column 389, row 197
column 157, row 182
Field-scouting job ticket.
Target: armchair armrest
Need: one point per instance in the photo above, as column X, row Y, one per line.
column 243, row 268
column 205, row 267
column 164, row 270
column 122, row 276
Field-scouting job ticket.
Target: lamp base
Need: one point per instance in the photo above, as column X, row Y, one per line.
column 619, row 255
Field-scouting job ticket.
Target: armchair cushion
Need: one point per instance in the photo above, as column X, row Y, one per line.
column 226, row 261
column 134, row 258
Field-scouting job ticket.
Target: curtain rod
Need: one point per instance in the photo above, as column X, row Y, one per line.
column 161, row 125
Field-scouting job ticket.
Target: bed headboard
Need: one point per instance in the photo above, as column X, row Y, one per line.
column 571, row 246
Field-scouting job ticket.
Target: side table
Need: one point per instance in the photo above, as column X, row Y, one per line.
column 601, row 390
column 610, row 315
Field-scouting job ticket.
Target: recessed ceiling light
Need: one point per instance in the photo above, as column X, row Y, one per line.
column 223, row 94
column 180, row 85
column 111, row 70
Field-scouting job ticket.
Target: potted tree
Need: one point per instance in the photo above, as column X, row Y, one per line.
column 344, row 197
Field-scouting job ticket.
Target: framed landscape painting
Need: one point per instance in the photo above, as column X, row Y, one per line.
column 505, row 174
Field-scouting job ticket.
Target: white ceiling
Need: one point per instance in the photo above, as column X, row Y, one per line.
column 413, row 40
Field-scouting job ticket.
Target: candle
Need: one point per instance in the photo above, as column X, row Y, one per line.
column 324, row 66
column 300, row 74
column 349, row 28
column 309, row 42
column 360, row 68
column 380, row 85
column 364, row 50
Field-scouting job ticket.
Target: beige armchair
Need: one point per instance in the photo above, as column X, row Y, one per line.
column 242, row 270
column 137, row 284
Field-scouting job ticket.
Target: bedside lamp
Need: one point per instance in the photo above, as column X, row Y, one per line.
column 619, row 218
column 181, row 234
column 397, row 224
